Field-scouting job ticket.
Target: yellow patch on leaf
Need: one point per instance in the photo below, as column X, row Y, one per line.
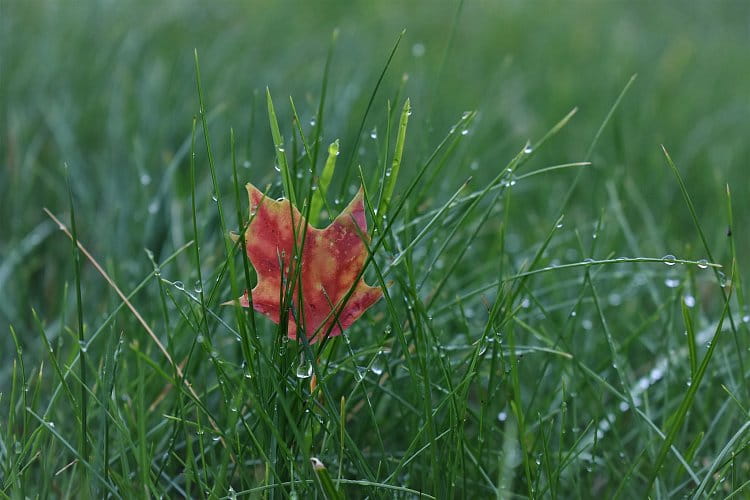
column 331, row 260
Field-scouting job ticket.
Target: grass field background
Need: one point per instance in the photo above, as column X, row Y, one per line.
column 515, row 354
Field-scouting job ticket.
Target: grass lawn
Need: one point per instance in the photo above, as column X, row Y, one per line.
column 556, row 203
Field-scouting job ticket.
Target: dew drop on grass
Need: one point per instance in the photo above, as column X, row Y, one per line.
column 746, row 318
column 378, row 365
column 198, row 287
column 276, row 167
column 360, row 373
column 304, row 369
column 214, row 198
column 528, row 149
column 465, row 131
column 374, row 133
column 417, row 50
column 313, row 122
column 153, row 207
column 145, row 179
column 179, row 285
column 559, row 225
column 703, row 263
column 502, row 416
column 689, row 300
column 669, row 259
column 216, row 439
column 247, row 164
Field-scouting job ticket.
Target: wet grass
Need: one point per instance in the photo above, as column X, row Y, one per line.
column 559, row 242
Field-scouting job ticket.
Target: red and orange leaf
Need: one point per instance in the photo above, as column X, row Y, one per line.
column 332, row 259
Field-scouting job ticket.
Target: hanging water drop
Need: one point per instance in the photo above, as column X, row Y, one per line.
column 304, row 369
column 703, row 263
column 198, row 287
column 669, row 259
column 179, row 285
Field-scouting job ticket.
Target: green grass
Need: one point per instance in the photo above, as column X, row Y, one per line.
column 560, row 244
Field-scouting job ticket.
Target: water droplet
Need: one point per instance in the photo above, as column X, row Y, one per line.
column 669, row 259
column 465, row 131
column 703, row 263
column 482, row 348
column 198, row 287
column 746, row 318
column 525, row 303
column 179, row 285
column 360, row 373
column 214, row 198
column 199, row 339
column 417, row 50
column 153, row 207
column 528, row 149
column 624, row 406
column 374, row 133
column 672, row 283
column 474, row 165
column 304, row 369
column 18, row 448
column 388, row 173
column 145, row 179
column 559, row 225
column 378, row 366
column 276, row 167
column 722, row 279
column 615, row 299
column 573, row 314
column 689, row 300
column 280, row 149
column 586, row 324
column 216, row 439
column 313, row 122
column 247, row 164
column 502, row 416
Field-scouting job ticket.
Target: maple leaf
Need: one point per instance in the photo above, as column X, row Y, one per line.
column 332, row 259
